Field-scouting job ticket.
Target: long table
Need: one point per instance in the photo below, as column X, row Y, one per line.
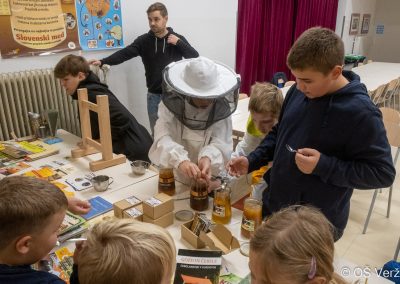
column 122, row 174
column 234, row 261
column 126, row 184
column 377, row 73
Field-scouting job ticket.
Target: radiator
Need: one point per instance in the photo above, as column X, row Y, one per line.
column 34, row 91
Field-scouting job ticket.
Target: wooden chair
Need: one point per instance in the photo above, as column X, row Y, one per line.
column 391, row 95
column 391, row 120
column 377, row 96
column 237, row 136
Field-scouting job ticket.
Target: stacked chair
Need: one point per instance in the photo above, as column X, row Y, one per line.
column 387, row 98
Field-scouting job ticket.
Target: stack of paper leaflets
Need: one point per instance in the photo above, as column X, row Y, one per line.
column 12, row 167
column 71, row 226
column 14, row 150
column 59, row 262
column 28, row 150
column 39, row 149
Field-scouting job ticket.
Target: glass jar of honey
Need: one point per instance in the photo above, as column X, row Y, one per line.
column 222, row 212
column 252, row 217
column 199, row 194
column 166, row 181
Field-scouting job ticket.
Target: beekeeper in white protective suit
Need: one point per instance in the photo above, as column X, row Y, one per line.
column 193, row 133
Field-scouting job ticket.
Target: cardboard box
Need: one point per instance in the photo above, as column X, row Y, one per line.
column 191, row 237
column 135, row 212
column 122, row 205
column 157, row 206
column 220, row 239
column 164, row 221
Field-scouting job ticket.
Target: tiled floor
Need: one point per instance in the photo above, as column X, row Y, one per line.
column 378, row 245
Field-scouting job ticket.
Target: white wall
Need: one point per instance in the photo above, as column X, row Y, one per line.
column 210, row 27
column 362, row 43
column 386, row 46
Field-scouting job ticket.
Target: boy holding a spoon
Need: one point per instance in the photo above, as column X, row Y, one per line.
column 337, row 131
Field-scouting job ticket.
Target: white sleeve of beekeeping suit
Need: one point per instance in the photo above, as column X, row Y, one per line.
column 166, row 150
column 220, row 146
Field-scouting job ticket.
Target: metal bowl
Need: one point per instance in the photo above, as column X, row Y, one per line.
column 139, row 167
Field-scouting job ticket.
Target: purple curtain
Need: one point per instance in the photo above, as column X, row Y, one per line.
column 311, row 13
column 264, row 37
column 266, row 30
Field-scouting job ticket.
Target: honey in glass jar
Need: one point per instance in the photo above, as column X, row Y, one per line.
column 222, row 211
column 199, row 194
column 166, row 181
column 252, row 217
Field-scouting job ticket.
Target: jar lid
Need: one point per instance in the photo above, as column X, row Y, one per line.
column 184, row 215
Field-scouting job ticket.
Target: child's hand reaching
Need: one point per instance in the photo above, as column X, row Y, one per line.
column 77, row 206
column 307, row 159
column 238, row 166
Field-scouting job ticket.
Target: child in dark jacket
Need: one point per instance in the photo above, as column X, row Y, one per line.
column 31, row 212
column 129, row 137
column 338, row 133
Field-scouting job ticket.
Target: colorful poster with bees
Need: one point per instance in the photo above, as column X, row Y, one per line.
column 37, row 27
column 99, row 24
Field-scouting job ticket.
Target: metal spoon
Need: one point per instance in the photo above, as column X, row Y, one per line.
column 290, row 149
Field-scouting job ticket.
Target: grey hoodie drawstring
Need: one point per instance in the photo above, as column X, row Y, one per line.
column 163, row 50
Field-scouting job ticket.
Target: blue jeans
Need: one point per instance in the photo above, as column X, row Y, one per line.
column 153, row 100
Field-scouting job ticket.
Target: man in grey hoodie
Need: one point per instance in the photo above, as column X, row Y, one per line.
column 157, row 48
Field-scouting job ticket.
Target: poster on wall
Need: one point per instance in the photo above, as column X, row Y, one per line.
column 99, row 24
column 365, row 24
column 31, row 27
column 354, row 24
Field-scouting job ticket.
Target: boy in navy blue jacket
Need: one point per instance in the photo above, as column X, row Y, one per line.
column 31, row 212
column 338, row 133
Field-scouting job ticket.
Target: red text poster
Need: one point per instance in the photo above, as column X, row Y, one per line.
column 37, row 27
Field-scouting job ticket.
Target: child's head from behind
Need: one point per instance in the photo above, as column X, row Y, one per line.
column 316, row 60
column 265, row 105
column 31, row 212
column 293, row 246
column 71, row 69
column 127, row 251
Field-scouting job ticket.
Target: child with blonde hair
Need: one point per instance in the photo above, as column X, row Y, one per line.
column 125, row 251
column 265, row 106
column 295, row 245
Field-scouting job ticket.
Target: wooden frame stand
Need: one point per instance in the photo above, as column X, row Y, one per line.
column 90, row 146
